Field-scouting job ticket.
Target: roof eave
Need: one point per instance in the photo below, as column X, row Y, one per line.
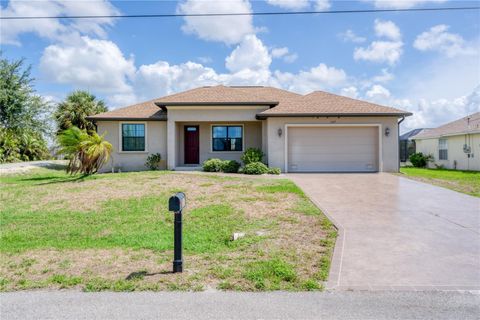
column 200, row 104
column 263, row 116
column 126, row 119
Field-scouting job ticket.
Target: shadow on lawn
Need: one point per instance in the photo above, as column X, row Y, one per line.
column 142, row 274
column 54, row 179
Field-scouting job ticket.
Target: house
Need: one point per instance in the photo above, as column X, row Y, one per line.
column 407, row 143
column 455, row 145
column 318, row 131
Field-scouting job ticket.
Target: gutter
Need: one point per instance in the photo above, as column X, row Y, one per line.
column 263, row 116
column 398, row 137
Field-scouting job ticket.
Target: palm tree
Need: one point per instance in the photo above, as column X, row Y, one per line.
column 75, row 108
column 87, row 152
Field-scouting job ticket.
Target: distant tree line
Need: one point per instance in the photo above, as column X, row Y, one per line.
column 28, row 121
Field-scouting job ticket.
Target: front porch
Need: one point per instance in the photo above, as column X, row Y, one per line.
column 195, row 142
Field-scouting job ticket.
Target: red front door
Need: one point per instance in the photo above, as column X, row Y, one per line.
column 192, row 142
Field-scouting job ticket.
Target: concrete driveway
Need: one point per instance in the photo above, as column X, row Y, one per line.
column 397, row 233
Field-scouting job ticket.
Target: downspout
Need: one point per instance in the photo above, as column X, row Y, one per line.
column 398, row 137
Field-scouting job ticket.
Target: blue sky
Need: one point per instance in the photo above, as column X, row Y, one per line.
column 424, row 62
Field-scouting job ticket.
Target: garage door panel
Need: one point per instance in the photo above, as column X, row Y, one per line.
column 332, row 149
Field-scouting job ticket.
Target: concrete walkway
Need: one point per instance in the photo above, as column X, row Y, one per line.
column 238, row 305
column 396, row 233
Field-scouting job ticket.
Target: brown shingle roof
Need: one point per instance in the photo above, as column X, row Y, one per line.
column 283, row 103
column 468, row 124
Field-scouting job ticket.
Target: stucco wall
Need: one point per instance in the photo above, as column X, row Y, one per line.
column 156, row 142
column 455, row 151
column 208, row 114
column 276, row 144
column 252, row 134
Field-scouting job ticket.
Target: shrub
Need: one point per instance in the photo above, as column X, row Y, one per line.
column 420, row 160
column 255, row 168
column 230, row 166
column 274, row 171
column 252, row 155
column 213, row 165
column 153, row 161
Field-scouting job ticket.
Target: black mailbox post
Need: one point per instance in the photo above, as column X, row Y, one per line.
column 176, row 203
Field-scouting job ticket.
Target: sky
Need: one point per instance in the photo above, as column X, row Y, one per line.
column 424, row 62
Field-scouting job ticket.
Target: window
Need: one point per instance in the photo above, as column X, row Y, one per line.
column 227, row 138
column 133, row 137
column 442, row 149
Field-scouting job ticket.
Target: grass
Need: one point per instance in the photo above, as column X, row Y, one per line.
column 114, row 232
column 462, row 181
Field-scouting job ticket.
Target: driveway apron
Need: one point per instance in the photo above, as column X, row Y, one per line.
column 396, row 233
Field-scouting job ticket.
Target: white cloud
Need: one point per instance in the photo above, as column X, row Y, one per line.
column 91, row 64
column 385, row 76
column 380, row 51
column 401, row 4
column 321, row 5
column 350, row 36
column 228, row 29
column 289, row 4
column 284, row 54
column 55, row 29
column 351, row 92
column 378, row 93
column 321, row 77
column 387, row 29
column 251, row 53
column 438, row 39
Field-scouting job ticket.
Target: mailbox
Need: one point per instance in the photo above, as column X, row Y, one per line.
column 176, row 203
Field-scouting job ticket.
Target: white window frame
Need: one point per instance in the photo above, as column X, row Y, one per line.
column 442, row 148
column 227, row 125
column 120, row 137
column 338, row 125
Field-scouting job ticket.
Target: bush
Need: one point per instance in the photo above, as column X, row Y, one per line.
column 230, row 166
column 213, row 165
column 274, row 171
column 252, row 155
column 420, row 160
column 255, row 168
column 153, row 161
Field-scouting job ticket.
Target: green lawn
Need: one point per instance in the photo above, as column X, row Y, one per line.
column 113, row 232
column 462, row 181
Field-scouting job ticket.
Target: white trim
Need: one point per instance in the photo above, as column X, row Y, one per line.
column 217, row 107
column 227, row 125
column 120, row 140
column 378, row 125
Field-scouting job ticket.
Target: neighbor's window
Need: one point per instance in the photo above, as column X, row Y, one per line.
column 227, row 138
column 442, row 149
column 133, row 137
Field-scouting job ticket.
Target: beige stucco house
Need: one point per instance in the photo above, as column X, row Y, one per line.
column 317, row 132
column 455, row 145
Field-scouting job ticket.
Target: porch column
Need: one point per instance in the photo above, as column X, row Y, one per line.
column 171, row 145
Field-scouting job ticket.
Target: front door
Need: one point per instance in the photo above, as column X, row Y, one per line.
column 192, row 142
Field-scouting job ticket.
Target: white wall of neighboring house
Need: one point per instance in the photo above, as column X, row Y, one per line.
column 457, row 158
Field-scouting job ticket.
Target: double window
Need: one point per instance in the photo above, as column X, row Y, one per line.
column 227, row 138
column 442, row 149
column 133, row 137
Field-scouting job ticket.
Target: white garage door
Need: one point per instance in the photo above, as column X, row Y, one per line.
column 334, row 149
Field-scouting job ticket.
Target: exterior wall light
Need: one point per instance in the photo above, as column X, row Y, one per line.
column 387, row 131
column 279, row 131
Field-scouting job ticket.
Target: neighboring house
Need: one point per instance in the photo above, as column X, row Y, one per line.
column 407, row 143
column 455, row 145
column 298, row 133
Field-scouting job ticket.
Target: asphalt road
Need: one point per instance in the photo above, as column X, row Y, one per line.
column 221, row 305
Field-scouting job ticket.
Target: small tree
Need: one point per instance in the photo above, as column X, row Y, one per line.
column 75, row 109
column 87, row 152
